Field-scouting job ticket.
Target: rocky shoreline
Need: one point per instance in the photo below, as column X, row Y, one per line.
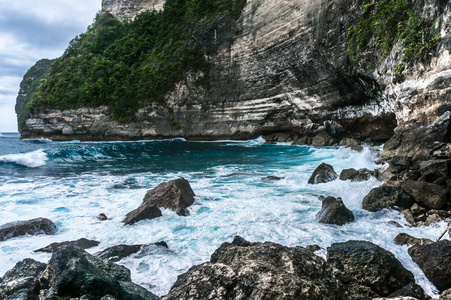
column 245, row 270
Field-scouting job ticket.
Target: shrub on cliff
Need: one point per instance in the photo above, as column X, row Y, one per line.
column 124, row 65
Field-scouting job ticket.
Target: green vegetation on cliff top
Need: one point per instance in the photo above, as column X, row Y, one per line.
column 126, row 64
column 387, row 22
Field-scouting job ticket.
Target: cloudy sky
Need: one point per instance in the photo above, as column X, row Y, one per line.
column 29, row 31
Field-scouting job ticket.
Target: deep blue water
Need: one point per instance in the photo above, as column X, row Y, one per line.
column 72, row 182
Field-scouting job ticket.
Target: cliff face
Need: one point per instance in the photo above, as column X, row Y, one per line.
column 128, row 9
column 280, row 67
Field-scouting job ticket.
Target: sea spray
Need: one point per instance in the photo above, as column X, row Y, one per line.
column 32, row 159
column 80, row 180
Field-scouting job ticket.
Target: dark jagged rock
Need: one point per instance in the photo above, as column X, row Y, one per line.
column 357, row 175
column 323, row 173
column 405, row 239
column 73, row 273
column 118, row 252
column 386, row 196
column 426, row 194
column 173, row 194
column 313, row 248
column 411, row 290
column 22, row 281
column 333, row 211
column 367, row 269
column 244, row 270
column 435, row 261
column 418, row 215
column 102, row 217
column 82, row 243
column 142, row 213
column 418, row 141
column 182, row 212
column 272, row 178
column 31, row 227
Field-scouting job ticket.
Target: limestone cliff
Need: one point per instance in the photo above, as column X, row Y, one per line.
column 128, row 9
column 280, row 67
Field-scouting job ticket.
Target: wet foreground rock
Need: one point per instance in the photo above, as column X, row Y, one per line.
column 175, row 194
column 435, row 261
column 367, row 269
column 31, row 227
column 71, row 273
column 245, row 270
column 242, row 270
column 333, row 211
column 22, row 281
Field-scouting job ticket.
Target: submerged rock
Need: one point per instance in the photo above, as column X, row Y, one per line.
column 386, row 196
column 435, row 261
column 31, row 227
column 243, row 270
column 118, row 252
column 333, row 211
column 82, row 243
column 74, row 273
column 405, row 239
column 22, row 281
column 102, row 217
column 173, row 195
column 272, row 178
column 323, row 173
column 367, row 269
column 121, row 251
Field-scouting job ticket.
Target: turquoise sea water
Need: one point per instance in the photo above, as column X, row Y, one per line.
column 72, row 182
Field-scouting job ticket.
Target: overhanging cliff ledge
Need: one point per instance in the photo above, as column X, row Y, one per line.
column 246, row 68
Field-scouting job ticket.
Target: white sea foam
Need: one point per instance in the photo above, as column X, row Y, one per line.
column 280, row 211
column 32, row 159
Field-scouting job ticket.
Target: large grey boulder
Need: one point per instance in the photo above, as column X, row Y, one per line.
column 31, row 227
column 175, row 194
column 22, row 281
column 435, row 261
column 386, row 196
column 323, row 173
column 74, row 273
column 333, row 211
column 243, row 270
column 367, row 269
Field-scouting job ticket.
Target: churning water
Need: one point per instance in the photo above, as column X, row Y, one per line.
column 72, row 182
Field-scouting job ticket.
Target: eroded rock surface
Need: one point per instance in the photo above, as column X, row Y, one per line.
column 367, row 269
column 22, row 281
column 333, row 211
column 174, row 194
column 31, row 227
column 322, row 174
column 74, row 273
column 435, row 261
column 82, row 243
column 243, row 270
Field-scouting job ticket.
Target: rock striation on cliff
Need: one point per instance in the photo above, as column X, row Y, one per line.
column 279, row 67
